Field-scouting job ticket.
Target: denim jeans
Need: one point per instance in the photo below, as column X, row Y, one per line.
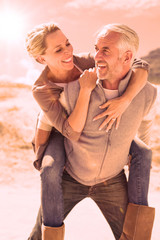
column 51, row 181
column 139, row 173
column 54, row 210
column 110, row 196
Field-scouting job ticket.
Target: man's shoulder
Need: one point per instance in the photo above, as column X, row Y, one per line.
column 72, row 87
column 84, row 60
column 150, row 94
column 150, row 89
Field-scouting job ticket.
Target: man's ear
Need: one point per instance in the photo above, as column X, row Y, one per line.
column 41, row 59
column 127, row 57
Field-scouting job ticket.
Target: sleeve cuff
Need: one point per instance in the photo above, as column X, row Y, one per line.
column 43, row 122
column 139, row 63
column 68, row 132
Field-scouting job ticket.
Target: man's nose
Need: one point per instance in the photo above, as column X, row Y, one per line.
column 98, row 56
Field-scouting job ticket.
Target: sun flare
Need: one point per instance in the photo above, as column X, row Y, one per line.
column 11, row 25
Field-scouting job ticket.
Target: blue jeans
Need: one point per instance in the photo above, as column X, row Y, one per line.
column 139, row 173
column 51, row 185
column 110, row 196
column 51, row 181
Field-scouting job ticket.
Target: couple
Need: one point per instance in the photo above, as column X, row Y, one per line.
column 74, row 105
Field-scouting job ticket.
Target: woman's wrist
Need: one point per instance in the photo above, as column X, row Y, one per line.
column 85, row 90
column 126, row 97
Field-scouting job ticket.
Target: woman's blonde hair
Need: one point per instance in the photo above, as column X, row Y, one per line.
column 35, row 41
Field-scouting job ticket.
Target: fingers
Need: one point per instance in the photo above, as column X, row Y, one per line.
column 118, row 122
column 109, row 126
column 92, row 69
column 129, row 162
column 108, row 122
column 99, row 116
column 109, row 113
column 88, row 72
column 106, row 104
column 95, row 70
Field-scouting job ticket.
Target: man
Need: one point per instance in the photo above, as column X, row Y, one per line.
column 95, row 162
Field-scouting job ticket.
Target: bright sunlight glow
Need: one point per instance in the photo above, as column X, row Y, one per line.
column 11, row 25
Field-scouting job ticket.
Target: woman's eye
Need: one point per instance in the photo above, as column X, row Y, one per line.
column 59, row 50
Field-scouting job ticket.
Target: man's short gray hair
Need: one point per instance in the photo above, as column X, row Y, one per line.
column 129, row 39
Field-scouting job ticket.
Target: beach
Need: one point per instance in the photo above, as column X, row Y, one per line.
column 20, row 182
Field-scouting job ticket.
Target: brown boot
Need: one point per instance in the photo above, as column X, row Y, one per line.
column 53, row 233
column 138, row 222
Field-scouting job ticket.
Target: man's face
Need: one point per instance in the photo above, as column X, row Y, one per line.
column 108, row 62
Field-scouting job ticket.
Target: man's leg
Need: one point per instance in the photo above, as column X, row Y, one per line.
column 73, row 192
column 112, row 199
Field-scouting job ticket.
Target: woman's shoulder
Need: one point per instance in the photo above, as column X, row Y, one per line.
column 44, row 90
column 43, row 83
column 42, row 79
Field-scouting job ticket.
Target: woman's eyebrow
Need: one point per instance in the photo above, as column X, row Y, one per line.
column 67, row 40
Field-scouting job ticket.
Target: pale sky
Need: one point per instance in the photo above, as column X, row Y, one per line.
column 79, row 19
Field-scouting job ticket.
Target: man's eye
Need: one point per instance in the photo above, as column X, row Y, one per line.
column 68, row 44
column 106, row 51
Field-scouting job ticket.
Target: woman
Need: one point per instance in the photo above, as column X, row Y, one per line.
column 48, row 45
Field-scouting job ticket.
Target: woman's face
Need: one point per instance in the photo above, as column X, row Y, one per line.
column 59, row 52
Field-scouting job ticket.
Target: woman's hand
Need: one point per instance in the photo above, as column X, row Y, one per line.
column 114, row 110
column 88, row 79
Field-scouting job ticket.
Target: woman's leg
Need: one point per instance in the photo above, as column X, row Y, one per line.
column 139, row 173
column 51, row 179
column 139, row 219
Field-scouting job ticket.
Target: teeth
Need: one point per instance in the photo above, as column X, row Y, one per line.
column 101, row 65
column 67, row 60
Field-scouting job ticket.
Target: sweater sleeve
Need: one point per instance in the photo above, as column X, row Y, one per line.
column 145, row 129
column 139, row 63
column 47, row 97
column 43, row 122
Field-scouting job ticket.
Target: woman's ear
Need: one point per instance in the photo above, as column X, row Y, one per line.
column 41, row 59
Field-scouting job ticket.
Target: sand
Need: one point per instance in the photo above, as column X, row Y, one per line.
column 20, row 183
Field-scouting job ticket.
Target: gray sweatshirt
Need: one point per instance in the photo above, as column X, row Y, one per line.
column 98, row 155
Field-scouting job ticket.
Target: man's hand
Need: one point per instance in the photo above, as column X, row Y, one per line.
column 88, row 79
column 114, row 110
